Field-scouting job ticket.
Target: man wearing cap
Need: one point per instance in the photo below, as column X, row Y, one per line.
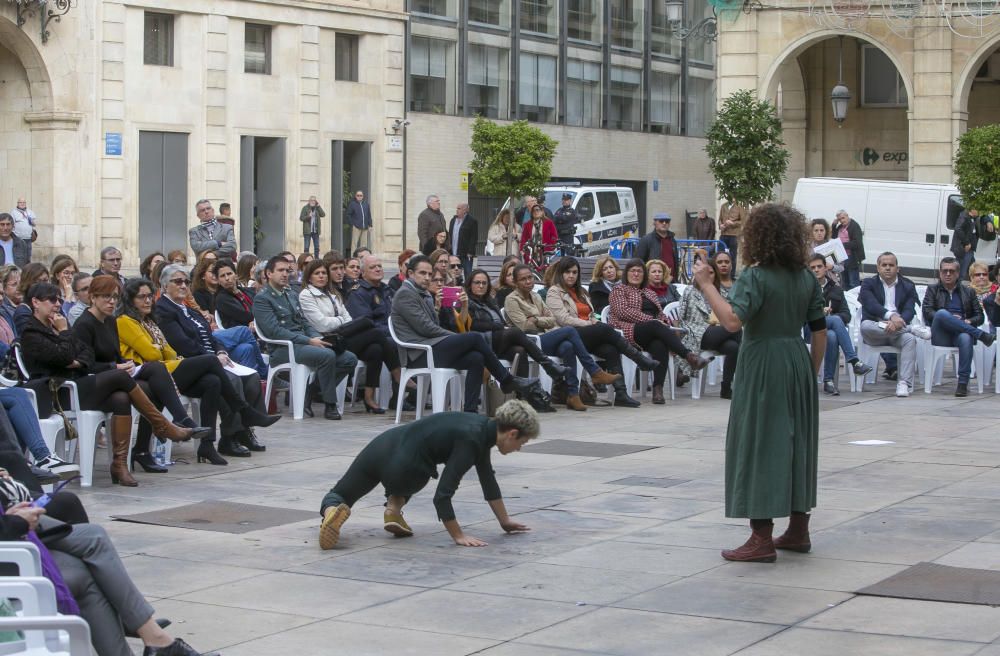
column 565, row 219
column 659, row 244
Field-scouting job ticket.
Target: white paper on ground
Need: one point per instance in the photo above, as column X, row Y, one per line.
column 871, row 442
column 240, row 370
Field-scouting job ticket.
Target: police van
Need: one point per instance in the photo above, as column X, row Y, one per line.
column 604, row 213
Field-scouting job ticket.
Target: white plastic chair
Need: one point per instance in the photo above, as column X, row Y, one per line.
column 299, row 376
column 438, row 377
column 24, row 554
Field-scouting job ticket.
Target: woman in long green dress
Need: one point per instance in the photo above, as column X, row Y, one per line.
column 772, row 439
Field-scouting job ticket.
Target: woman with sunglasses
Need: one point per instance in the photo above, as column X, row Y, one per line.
column 51, row 349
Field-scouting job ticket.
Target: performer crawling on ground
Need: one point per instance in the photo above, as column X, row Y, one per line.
column 403, row 459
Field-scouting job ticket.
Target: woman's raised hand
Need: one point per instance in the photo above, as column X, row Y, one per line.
column 702, row 273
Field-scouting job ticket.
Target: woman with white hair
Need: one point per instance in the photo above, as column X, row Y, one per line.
column 403, row 459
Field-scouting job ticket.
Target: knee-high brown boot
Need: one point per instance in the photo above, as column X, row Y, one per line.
column 121, row 436
column 161, row 426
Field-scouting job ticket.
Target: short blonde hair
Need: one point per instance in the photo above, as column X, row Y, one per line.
column 668, row 275
column 978, row 266
column 599, row 266
column 519, row 415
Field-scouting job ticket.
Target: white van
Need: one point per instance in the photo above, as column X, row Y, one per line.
column 914, row 220
column 605, row 213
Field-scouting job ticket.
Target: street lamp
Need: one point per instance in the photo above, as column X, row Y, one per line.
column 840, row 95
column 707, row 28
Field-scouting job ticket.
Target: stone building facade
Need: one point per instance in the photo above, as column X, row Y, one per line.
column 127, row 114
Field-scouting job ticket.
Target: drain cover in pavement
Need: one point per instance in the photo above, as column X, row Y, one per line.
column 646, row 481
column 220, row 516
column 933, row 582
column 586, row 449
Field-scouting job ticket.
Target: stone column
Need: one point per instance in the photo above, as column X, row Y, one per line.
column 388, row 211
column 309, row 142
column 111, row 228
column 217, row 160
column 931, row 120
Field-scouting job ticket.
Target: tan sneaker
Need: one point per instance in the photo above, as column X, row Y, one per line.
column 329, row 530
column 395, row 524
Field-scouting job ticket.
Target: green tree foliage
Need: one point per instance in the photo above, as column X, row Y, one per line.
column 977, row 168
column 746, row 152
column 510, row 160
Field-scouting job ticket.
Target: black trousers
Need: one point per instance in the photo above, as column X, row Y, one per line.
column 373, row 348
column 107, row 392
column 657, row 338
column 604, row 342
column 377, row 463
column 717, row 338
column 469, row 352
column 155, row 381
column 509, row 342
column 202, row 377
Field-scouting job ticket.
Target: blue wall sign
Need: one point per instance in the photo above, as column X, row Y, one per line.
column 113, row 143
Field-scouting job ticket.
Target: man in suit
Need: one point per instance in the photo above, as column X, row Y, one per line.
column 359, row 214
column 209, row 234
column 414, row 317
column 13, row 250
column 277, row 315
column 850, row 234
column 888, row 306
column 462, row 234
column 311, row 216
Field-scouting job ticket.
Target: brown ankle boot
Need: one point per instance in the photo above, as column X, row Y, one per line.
column 658, row 397
column 796, row 537
column 758, row 549
column 696, row 361
column 121, row 437
column 161, row 426
column 604, row 377
column 574, row 402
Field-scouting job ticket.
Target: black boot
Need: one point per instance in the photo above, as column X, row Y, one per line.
column 148, row 464
column 207, row 453
column 331, row 412
column 555, row 371
column 517, row 384
column 622, row 399
column 645, row 362
column 726, row 392
column 253, row 417
column 230, row 446
column 248, row 439
column 177, row 648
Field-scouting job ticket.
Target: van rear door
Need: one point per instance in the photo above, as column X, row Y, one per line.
column 900, row 220
column 586, row 211
column 630, row 216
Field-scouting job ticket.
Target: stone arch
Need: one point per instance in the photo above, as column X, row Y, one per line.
column 960, row 98
column 17, row 42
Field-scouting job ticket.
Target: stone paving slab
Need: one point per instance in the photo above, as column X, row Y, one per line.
column 612, row 565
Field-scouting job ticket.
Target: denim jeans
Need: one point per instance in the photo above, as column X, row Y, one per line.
column 314, row 238
column 964, row 262
column 949, row 330
column 851, row 278
column 17, row 403
column 242, row 347
column 837, row 335
column 565, row 343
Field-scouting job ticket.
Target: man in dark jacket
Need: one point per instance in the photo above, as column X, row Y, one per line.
column 372, row 298
column 849, row 232
column 964, row 241
column 660, row 244
column 462, row 234
column 704, row 226
column 953, row 312
column 359, row 215
column 311, row 216
column 13, row 250
column 566, row 219
column 430, row 222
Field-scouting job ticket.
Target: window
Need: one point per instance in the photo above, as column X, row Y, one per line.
column 257, row 49
column 444, row 8
column 538, row 16
column 882, row 85
column 158, row 39
column 585, row 208
column 608, row 202
column 346, row 57
column 662, row 39
column 664, row 103
column 700, row 105
column 700, row 50
column 625, row 99
column 490, row 12
column 583, row 93
column 536, row 89
column 583, row 20
column 626, row 24
column 432, row 66
column 487, row 91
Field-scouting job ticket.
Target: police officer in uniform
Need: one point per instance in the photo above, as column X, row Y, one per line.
column 566, row 219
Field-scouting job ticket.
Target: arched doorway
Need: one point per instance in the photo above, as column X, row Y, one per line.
column 873, row 141
column 980, row 92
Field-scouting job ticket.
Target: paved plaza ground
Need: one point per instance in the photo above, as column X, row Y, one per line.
column 615, row 563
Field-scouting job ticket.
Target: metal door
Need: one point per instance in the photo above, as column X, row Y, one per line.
column 163, row 202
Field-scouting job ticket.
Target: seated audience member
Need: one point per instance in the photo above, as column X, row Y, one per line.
column 505, row 283
column 244, row 272
column 336, row 269
column 300, row 265
column 360, row 252
column 33, row 272
column 190, row 335
column 374, row 297
column 415, row 320
column 200, row 376
column 661, row 282
column 605, row 277
column 51, row 350
column 277, row 315
column 399, row 278
column 439, row 261
column 455, row 316
column 527, row 311
column 204, row 284
column 13, row 250
column 19, row 426
column 111, row 264
column 233, row 303
column 723, row 262
column 456, row 271
column 324, row 309
column 888, row 303
column 10, row 276
column 177, row 256
column 81, row 289
column 508, row 343
column 704, row 332
column 63, row 270
column 838, row 318
column 570, row 306
column 352, row 275
column 636, row 312
column 954, row 314
column 439, row 240
column 149, row 263
column 979, row 280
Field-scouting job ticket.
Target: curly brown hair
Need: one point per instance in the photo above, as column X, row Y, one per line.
column 775, row 235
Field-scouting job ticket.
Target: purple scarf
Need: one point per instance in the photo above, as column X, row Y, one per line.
column 64, row 598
